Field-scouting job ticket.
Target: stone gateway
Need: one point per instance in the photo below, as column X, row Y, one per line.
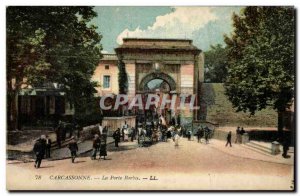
column 163, row 66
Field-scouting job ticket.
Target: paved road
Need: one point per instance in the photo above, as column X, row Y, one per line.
column 191, row 166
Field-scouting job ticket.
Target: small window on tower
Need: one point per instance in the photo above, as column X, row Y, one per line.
column 106, row 66
column 106, row 81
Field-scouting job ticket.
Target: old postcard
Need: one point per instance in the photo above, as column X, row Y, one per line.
column 150, row 98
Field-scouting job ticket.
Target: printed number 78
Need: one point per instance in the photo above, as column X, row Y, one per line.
column 38, row 177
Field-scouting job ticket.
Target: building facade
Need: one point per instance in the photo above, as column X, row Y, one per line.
column 106, row 74
column 42, row 106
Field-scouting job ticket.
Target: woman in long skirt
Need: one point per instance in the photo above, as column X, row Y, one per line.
column 103, row 152
column 126, row 133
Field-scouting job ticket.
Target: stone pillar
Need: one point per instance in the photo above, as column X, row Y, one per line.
column 187, row 81
column 130, row 70
column 275, row 148
column 199, row 79
column 201, row 67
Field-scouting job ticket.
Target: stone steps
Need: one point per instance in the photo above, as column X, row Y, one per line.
column 260, row 147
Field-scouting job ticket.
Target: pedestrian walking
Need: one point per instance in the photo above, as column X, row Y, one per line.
column 173, row 121
column 189, row 135
column 126, row 133
column 176, row 140
column 206, row 134
column 48, row 147
column 96, row 146
column 39, row 151
column 238, row 135
column 163, row 135
column 228, row 139
column 73, row 147
column 163, row 120
column 169, row 133
column 116, row 136
column 200, row 134
column 179, row 130
column 100, row 129
column 132, row 134
column 103, row 152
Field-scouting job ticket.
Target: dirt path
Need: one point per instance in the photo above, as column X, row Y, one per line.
column 191, row 166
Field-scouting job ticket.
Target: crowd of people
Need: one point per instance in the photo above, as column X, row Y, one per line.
column 239, row 133
column 203, row 132
column 143, row 132
column 158, row 131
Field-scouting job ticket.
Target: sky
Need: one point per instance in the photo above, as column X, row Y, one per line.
column 204, row 25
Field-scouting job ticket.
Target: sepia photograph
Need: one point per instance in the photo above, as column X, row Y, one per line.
column 150, row 98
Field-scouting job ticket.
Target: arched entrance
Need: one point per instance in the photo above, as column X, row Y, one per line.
column 160, row 84
column 159, row 76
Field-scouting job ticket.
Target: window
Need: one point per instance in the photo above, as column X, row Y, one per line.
column 106, row 66
column 106, row 81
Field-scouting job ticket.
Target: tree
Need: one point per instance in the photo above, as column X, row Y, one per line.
column 122, row 78
column 261, row 70
column 51, row 44
column 215, row 64
column 123, row 82
column 25, row 55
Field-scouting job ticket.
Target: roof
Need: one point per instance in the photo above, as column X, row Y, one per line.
column 109, row 57
column 157, row 44
column 157, row 39
column 41, row 92
column 43, row 89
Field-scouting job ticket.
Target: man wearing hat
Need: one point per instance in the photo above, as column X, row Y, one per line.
column 96, row 146
column 48, row 146
column 117, row 136
column 238, row 136
column 103, row 152
column 39, row 151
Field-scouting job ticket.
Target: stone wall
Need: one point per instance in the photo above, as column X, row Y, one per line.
column 113, row 123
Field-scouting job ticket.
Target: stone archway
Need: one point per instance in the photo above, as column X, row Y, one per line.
column 158, row 75
column 153, row 113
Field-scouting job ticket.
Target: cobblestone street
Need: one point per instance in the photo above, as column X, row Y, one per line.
column 191, row 166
